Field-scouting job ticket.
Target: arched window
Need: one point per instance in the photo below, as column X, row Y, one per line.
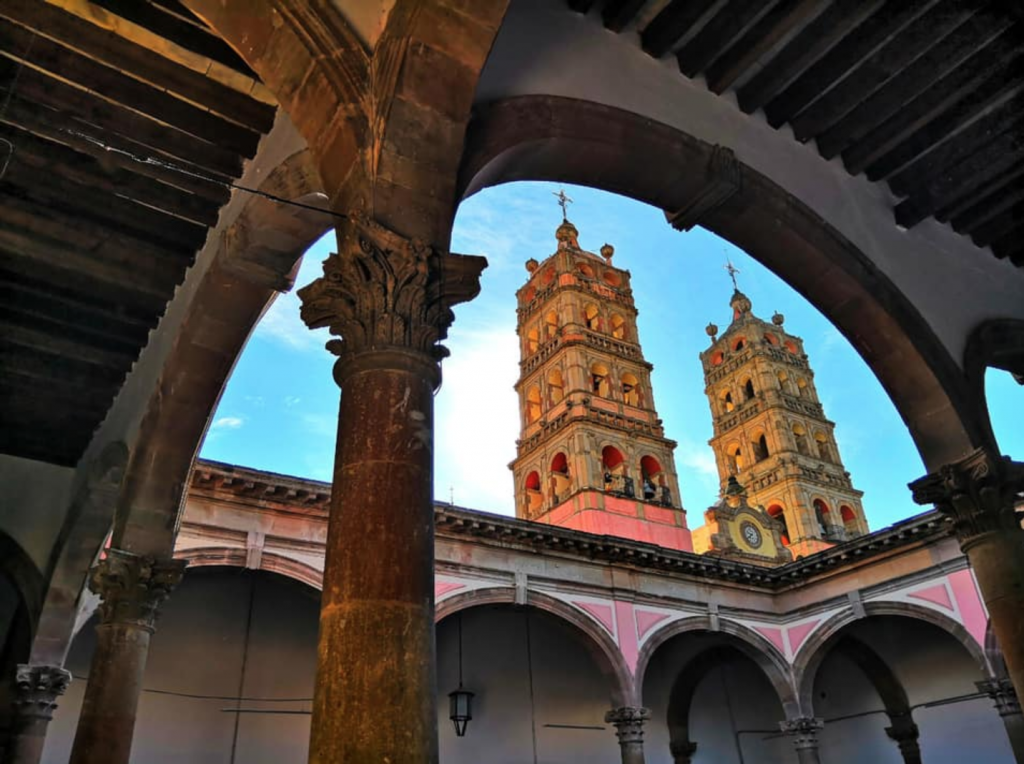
column 739, row 343
column 800, row 439
column 821, row 514
column 748, row 388
column 727, row 404
column 586, row 270
column 532, row 341
column 783, row 378
column 534, row 497
column 533, row 404
column 791, row 347
column 801, row 387
column 717, row 358
column 559, row 477
column 824, row 447
column 556, row 386
column 771, row 339
column 592, row 318
column 618, row 326
column 760, row 447
column 599, row 379
column 652, row 478
column 734, row 455
column 849, row 518
column 777, row 512
column 550, row 325
column 630, row 393
column 613, row 466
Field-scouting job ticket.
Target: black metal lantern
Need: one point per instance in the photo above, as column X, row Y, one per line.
column 460, row 701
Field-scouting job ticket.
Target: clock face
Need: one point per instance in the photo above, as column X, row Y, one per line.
column 751, row 533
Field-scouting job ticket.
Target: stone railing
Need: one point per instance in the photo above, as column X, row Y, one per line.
column 542, row 353
column 613, row 345
column 744, row 411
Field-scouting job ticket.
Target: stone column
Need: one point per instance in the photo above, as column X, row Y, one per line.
column 905, row 734
column 389, row 299
column 979, row 493
column 36, row 689
column 1008, row 705
column 804, row 734
column 682, row 753
column 629, row 728
column 131, row 588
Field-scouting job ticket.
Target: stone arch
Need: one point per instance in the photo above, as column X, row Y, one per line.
column 598, row 641
column 234, row 557
column 20, row 576
column 818, row 644
column 747, row 641
column 999, row 344
column 570, row 140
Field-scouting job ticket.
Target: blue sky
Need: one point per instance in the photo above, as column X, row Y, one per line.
column 279, row 411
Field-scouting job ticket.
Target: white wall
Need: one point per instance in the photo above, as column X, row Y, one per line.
column 35, row 501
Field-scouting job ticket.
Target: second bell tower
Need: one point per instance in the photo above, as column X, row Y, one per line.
column 592, row 453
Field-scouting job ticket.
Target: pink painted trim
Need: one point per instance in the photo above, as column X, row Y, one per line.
column 937, row 595
column 628, row 642
column 972, row 609
column 441, row 588
column 773, row 635
column 647, row 620
column 601, row 613
column 797, row 634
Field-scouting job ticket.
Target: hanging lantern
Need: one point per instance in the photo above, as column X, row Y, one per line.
column 461, row 709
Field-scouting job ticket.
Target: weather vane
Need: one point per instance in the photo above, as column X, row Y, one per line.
column 563, row 202
column 733, row 270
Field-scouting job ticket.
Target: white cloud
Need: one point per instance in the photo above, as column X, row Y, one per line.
column 281, row 324
column 227, row 423
column 291, row 400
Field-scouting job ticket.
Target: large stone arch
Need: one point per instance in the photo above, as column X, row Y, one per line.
column 1000, row 344
column 598, row 642
column 747, row 641
column 556, row 138
column 22, row 579
column 824, row 638
column 234, row 557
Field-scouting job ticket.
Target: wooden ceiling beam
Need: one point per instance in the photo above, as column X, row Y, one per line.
column 802, row 50
column 1004, row 191
column 848, row 53
column 1000, row 226
column 671, row 23
column 38, row 364
column 117, row 51
column 871, row 73
column 1009, row 245
column 52, row 443
column 765, row 34
column 58, row 344
column 718, row 34
column 617, row 14
column 54, row 394
column 23, row 46
column 977, row 79
column 941, row 59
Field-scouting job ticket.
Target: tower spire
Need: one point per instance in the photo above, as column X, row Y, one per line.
column 733, row 270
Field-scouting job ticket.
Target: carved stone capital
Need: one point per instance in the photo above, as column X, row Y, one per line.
column 629, row 723
column 132, row 588
column 978, row 492
column 381, row 291
column 1001, row 690
column 36, row 689
column 803, row 730
column 905, row 734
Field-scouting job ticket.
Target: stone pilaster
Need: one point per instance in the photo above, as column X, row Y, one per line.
column 36, row 689
column 629, row 728
column 1007, row 705
column 388, row 300
column 132, row 588
column 682, row 752
column 979, row 493
column 803, row 732
column 906, row 735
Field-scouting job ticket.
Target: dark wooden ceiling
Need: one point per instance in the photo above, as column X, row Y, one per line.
column 121, row 124
column 924, row 95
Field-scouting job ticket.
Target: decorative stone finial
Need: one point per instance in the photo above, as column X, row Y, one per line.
column 740, row 304
column 531, row 265
column 607, row 251
column 778, row 319
column 712, row 331
column 567, row 235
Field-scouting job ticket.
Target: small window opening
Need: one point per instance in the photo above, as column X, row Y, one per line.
column 778, row 513
column 599, row 380
column 630, row 393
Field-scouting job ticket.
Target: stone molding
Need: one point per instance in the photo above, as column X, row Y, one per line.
column 132, row 587
column 803, row 730
column 1002, row 691
column 629, row 723
column 37, row 688
column 382, row 291
column 723, row 179
column 978, row 493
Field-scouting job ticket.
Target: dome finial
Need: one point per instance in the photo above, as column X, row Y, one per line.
column 563, row 202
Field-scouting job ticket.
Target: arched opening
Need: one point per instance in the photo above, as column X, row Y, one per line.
column 550, row 325
column 735, row 457
column 771, row 339
column 738, row 344
column 592, row 317
column 849, row 518
column 534, row 496
column 778, row 512
column 611, row 278
column 556, row 386
column 630, row 390
column 614, row 471
column 800, row 439
column 599, row 383
column 748, row 389
column 821, row 514
column 533, row 407
column 560, row 478
column 618, row 324
column 717, row 358
column 759, row 445
column 585, row 270
column 532, row 341
column 791, row 347
column 825, row 452
column 801, row 387
column 727, row 404
column 653, row 477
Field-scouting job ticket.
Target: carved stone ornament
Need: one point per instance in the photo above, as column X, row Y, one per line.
column 629, row 723
column 978, row 492
column 1001, row 690
column 133, row 588
column 804, row 731
column 37, row 689
column 381, row 291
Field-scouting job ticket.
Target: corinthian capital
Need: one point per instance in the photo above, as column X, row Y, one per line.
column 629, row 723
column 381, row 291
column 804, row 731
column 979, row 492
column 37, row 689
column 132, row 587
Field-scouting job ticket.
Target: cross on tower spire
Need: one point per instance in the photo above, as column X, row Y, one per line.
column 733, row 270
column 563, row 202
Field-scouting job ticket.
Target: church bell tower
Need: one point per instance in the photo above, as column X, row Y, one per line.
column 592, row 454
column 771, row 435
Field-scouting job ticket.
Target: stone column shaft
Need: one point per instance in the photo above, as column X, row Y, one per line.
column 1008, row 705
column 389, row 300
column 629, row 728
column 36, row 691
column 906, row 735
column 804, row 734
column 132, row 589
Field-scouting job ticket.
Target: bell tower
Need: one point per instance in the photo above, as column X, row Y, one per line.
column 771, row 433
column 592, row 454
